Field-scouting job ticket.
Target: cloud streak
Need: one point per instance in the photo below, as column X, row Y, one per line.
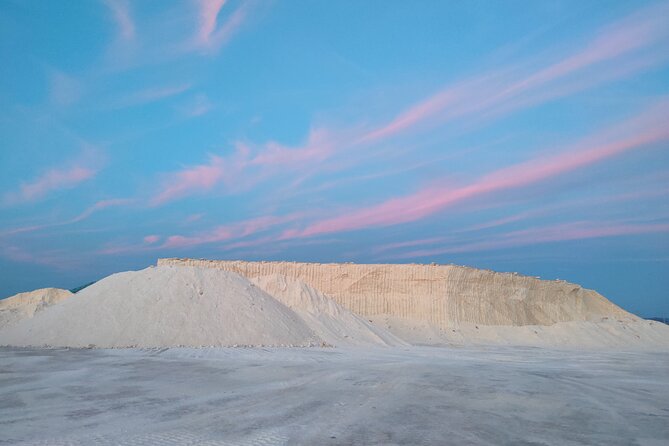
column 209, row 10
column 549, row 234
column 638, row 132
column 212, row 33
column 98, row 206
column 233, row 231
column 150, row 95
column 122, row 16
column 190, row 180
column 612, row 53
column 248, row 164
column 481, row 97
column 55, row 179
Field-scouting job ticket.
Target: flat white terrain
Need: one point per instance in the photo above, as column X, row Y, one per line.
column 333, row 396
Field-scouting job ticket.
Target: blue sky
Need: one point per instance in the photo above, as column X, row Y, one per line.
column 517, row 136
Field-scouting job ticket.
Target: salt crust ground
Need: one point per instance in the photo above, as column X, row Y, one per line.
column 343, row 396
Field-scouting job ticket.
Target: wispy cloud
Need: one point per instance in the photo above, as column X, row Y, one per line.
column 151, row 239
column 194, row 217
column 150, row 95
column 481, row 97
column 55, row 179
column 247, row 165
column 98, row 206
column 52, row 180
column 122, row 16
column 63, row 89
column 640, row 131
column 209, row 10
column 410, row 244
column 233, row 231
column 319, row 146
column 190, row 180
column 616, row 51
column 548, row 234
column 197, row 106
column 214, row 31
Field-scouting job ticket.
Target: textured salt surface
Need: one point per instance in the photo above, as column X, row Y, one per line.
column 26, row 305
column 333, row 323
column 617, row 334
column 443, row 295
column 173, row 306
column 448, row 304
column 399, row 396
column 165, row 306
column 180, row 305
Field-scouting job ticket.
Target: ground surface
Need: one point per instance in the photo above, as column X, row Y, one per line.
column 460, row 396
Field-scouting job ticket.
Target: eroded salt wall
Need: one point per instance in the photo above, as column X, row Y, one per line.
column 444, row 295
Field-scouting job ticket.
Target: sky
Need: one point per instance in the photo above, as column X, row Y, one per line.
column 518, row 136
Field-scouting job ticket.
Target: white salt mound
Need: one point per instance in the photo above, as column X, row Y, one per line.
column 606, row 333
column 169, row 306
column 330, row 321
column 164, row 307
column 26, row 305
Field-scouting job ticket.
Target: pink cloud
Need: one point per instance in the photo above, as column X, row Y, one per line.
column 319, row 146
column 559, row 209
column 55, row 179
column 503, row 221
column 638, row 132
column 410, row 244
column 194, row 217
column 100, row 205
column 151, row 239
column 50, row 181
column 449, row 103
column 247, row 165
column 211, row 34
column 150, row 95
column 197, row 179
column 209, row 10
column 479, row 98
column 231, row 231
column 554, row 233
column 637, row 31
column 103, row 204
column 508, row 89
column 121, row 12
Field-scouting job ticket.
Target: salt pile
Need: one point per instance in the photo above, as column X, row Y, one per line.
column 443, row 295
column 372, row 305
column 26, row 305
column 163, row 307
column 606, row 333
column 182, row 306
column 334, row 324
column 449, row 304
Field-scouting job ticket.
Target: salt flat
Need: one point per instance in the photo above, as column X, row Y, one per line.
column 262, row 396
